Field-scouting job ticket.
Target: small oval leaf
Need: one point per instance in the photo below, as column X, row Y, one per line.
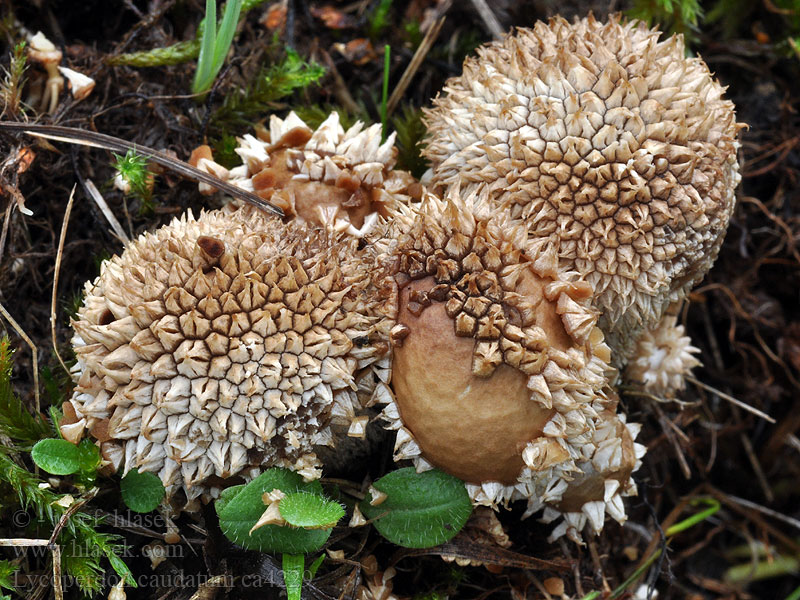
column 141, row 492
column 58, row 457
column 310, row 511
column 89, row 455
column 240, row 511
column 421, row 509
column 227, row 495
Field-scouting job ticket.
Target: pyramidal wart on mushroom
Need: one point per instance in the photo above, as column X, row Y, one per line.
column 219, row 346
column 616, row 150
column 500, row 375
column 326, row 176
column 662, row 358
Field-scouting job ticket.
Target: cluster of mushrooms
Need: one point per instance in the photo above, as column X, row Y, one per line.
column 582, row 177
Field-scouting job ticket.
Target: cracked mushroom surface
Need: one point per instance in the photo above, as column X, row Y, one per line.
column 326, row 176
column 216, row 347
column 499, row 373
column 614, row 149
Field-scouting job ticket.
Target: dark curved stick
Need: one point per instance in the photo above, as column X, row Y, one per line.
column 81, row 137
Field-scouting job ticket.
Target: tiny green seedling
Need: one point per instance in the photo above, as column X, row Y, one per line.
column 215, row 43
column 307, row 517
column 379, row 19
column 136, row 178
column 240, row 508
column 13, row 80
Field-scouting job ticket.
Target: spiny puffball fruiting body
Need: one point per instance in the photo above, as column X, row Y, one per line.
column 218, row 346
column 500, row 374
column 582, row 179
column 613, row 148
column 326, row 176
column 662, row 359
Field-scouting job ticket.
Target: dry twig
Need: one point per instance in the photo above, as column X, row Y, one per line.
column 413, row 66
column 56, row 272
column 34, row 353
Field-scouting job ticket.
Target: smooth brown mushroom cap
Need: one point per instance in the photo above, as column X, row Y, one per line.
column 499, row 370
column 472, row 427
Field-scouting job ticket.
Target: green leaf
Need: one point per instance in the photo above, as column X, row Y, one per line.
column 227, row 495
column 6, row 573
column 293, row 567
column 15, row 420
column 203, row 77
column 89, row 455
column 141, row 492
column 122, row 569
column 310, row 511
column 215, row 43
column 239, row 512
column 58, row 457
column 225, row 34
column 314, row 567
column 421, row 509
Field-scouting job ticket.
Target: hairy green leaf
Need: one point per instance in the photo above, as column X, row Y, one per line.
column 227, row 495
column 241, row 509
column 310, row 511
column 141, row 492
column 421, row 509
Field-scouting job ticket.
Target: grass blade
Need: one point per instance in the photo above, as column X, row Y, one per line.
column 225, row 35
column 205, row 60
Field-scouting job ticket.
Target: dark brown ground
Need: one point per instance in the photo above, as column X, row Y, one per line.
column 745, row 317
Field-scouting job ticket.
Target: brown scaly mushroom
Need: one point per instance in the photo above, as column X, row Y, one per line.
column 500, row 375
column 218, row 346
column 326, row 176
column 616, row 150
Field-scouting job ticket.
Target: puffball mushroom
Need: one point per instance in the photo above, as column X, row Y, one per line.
column 664, row 356
column 616, row 150
column 219, row 346
column 500, row 375
column 326, row 176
